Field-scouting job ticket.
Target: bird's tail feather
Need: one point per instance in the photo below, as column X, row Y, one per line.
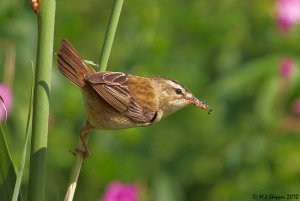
column 71, row 65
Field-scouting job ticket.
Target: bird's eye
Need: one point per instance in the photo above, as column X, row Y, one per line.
column 178, row 91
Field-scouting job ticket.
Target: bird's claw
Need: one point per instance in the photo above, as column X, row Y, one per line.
column 84, row 153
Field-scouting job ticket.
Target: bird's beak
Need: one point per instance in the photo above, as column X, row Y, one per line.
column 197, row 103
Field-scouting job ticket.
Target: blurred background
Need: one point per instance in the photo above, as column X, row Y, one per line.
column 239, row 56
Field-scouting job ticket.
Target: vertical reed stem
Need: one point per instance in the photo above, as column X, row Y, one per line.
column 106, row 49
column 38, row 157
column 110, row 34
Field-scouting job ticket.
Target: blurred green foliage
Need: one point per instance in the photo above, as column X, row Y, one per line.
column 227, row 52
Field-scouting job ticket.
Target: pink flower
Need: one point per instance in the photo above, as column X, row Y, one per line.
column 288, row 14
column 117, row 191
column 287, row 67
column 5, row 102
column 297, row 106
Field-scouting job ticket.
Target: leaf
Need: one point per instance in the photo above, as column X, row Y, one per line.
column 91, row 63
column 7, row 170
column 28, row 131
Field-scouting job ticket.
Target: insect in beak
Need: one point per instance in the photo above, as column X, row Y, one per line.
column 198, row 103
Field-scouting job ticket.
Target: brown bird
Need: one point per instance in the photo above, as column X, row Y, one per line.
column 116, row 100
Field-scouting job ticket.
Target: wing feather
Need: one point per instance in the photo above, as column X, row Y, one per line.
column 113, row 88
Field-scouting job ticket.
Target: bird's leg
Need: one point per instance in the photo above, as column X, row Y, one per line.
column 84, row 130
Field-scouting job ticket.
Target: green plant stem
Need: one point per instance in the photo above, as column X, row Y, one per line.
column 106, row 49
column 38, row 157
column 74, row 174
column 21, row 166
column 110, row 34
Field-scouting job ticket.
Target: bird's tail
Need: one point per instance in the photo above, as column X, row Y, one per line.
column 71, row 65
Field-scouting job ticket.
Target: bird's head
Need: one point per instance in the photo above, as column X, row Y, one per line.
column 174, row 96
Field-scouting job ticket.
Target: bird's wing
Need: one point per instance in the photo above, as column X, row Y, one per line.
column 113, row 88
